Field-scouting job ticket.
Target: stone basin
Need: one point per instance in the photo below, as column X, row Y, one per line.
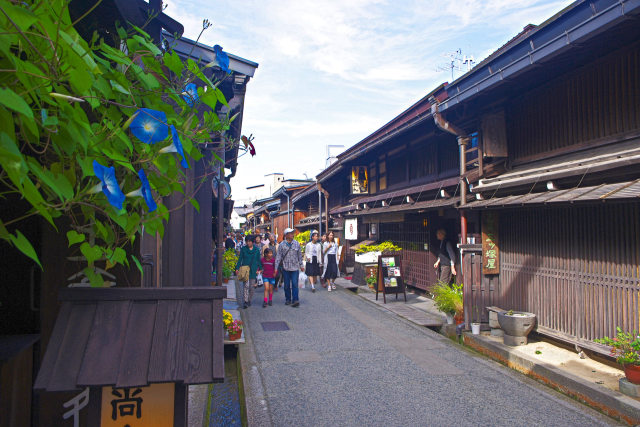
column 516, row 326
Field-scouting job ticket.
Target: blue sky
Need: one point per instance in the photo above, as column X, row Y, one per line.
column 332, row 72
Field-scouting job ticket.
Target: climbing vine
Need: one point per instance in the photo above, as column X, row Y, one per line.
column 97, row 131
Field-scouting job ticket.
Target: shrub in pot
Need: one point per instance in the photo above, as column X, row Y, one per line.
column 448, row 299
column 625, row 347
column 516, row 326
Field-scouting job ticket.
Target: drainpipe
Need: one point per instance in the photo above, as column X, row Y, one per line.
column 288, row 209
column 463, row 140
column 319, row 213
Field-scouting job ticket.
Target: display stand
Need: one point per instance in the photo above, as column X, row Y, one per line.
column 390, row 276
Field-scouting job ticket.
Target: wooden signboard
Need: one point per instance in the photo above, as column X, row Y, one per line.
column 390, row 276
column 138, row 406
column 490, row 245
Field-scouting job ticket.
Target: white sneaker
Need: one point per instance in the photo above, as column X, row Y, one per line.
column 329, row 288
column 333, row 286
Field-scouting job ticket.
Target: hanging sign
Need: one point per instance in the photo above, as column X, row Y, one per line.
column 138, row 406
column 359, row 180
column 351, row 229
column 490, row 249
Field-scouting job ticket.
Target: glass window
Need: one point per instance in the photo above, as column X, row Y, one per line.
column 373, row 178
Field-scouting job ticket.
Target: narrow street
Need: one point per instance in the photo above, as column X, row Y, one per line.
column 344, row 361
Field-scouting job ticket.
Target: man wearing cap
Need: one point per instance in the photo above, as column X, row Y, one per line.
column 288, row 261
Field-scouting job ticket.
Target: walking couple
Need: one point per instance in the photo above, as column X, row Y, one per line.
column 321, row 256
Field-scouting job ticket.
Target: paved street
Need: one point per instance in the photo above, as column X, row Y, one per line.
column 346, row 362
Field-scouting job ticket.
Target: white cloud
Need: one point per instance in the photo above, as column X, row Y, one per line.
column 334, row 71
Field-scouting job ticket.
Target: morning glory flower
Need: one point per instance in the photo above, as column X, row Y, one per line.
column 109, row 185
column 176, row 147
column 144, row 191
column 149, row 126
column 221, row 58
column 190, row 94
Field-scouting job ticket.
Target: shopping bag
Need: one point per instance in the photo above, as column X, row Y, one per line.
column 259, row 280
column 302, row 279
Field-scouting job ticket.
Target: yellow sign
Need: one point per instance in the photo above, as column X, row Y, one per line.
column 359, row 180
column 150, row 406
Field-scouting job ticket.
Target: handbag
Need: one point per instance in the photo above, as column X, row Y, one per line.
column 243, row 273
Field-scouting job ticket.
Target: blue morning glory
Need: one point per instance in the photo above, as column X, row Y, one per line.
column 176, row 147
column 109, row 185
column 190, row 94
column 222, row 58
column 149, row 126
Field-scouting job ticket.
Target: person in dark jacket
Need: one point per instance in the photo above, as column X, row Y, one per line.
column 446, row 258
column 249, row 256
column 229, row 243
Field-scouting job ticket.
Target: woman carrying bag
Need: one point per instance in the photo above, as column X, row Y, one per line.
column 247, row 268
column 312, row 256
column 330, row 252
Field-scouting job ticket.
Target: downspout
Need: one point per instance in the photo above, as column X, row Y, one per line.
column 288, row 209
column 463, row 140
column 319, row 213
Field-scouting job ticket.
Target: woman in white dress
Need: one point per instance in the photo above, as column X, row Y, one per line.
column 312, row 256
column 330, row 252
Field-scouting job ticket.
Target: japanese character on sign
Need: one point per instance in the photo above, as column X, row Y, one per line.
column 128, row 403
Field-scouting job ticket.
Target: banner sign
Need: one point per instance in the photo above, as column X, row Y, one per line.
column 351, row 229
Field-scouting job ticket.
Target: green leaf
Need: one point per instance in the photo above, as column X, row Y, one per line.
column 24, row 246
column 173, row 62
column 96, row 279
column 91, row 253
column 133, row 257
column 221, row 97
column 13, row 101
column 22, row 16
column 148, row 44
column 195, row 204
column 74, row 237
column 74, row 42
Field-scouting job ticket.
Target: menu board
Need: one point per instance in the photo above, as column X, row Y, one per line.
column 390, row 278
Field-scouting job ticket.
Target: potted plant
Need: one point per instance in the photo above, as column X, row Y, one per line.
column 372, row 279
column 366, row 254
column 235, row 330
column 227, row 319
column 625, row 347
column 448, row 299
column 516, row 326
column 229, row 264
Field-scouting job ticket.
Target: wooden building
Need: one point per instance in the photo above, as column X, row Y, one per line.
column 556, row 175
column 180, row 259
column 401, row 183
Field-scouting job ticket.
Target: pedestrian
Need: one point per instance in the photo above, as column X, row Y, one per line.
column 268, row 275
column 258, row 242
column 323, row 239
column 271, row 244
column 313, row 255
column 288, row 261
column 446, row 258
column 249, row 263
column 330, row 252
column 229, row 243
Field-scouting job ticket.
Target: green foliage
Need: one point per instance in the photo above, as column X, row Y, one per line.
column 448, row 298
column 229, row 263
column 66, row 102
column 384, row 247
column 625, row 346
column 303, row 238
column 372, row 279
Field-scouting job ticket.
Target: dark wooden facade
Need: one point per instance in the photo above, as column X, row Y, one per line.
column 567, row 200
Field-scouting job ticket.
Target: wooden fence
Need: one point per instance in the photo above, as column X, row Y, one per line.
column 576, row 268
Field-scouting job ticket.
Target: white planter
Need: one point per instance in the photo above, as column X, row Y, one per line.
column 368, row 258
column 475, row 328
column 449, row 318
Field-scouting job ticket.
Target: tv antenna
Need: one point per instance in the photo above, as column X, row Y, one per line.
column 457, row 62
column 331, row 158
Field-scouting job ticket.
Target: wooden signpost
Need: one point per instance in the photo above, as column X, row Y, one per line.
column 390, row 276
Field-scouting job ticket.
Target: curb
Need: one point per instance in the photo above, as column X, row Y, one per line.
column 609, row 402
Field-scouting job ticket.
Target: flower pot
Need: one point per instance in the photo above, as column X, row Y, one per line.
column 632, row 372
column 475, row 328
column 516, row 326
column 459, row 319
column 225, row 280
column 236, row 336
column 449, row 318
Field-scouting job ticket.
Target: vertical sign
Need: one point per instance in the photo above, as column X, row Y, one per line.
column 152, row 405
column 351, row 229
column 490, row 249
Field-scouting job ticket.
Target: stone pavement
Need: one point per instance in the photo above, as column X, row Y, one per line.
column 344, row 361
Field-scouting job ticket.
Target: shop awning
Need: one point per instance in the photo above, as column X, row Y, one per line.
column 343, row 209
column 417, row 189
column 409, row 207
column 602, row 192
column 130, row 337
